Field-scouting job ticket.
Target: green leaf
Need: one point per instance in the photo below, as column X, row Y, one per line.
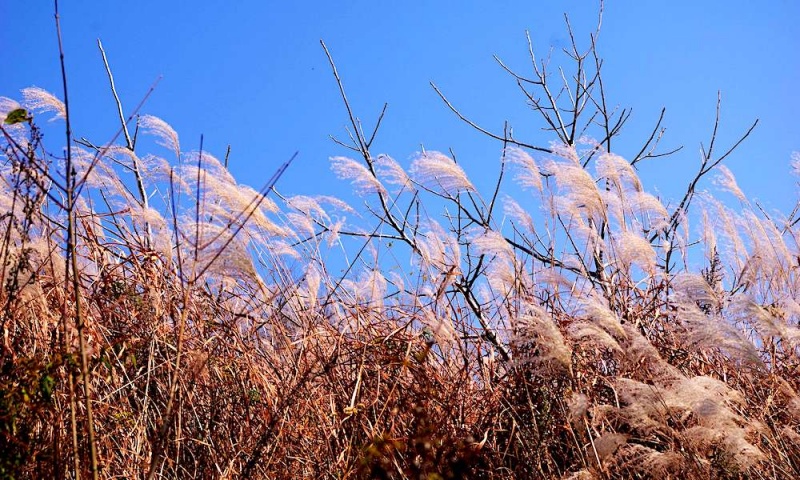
column 18, row 115
column 46, row 386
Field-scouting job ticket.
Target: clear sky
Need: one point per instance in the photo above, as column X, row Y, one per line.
column 252, row 74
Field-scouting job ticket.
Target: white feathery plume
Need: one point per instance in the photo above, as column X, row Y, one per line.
column 223, row 257
column 360, row 177
column 313, row 281
column 582, row 474
column 208, row 164
column 302, row 225
column 336, row 204
column 618, row 170
column 9, row 205
column 711, row 405
column 573, row 262
column 761, row 246
column 536, row 330
column 154, row 168
column 394, row 174
column 567, row 152
column 277, row 247
column 795, row 162
column 585, row 332
column 608, row 443
column 369, row 289
column 147, row 216
column 513, row 210
column 89, row 219
column 182, row 182
column 454, row 252
column 590, row 142
column 397, row 280
column 641, row 352
column 596, row 310
column 441, row 326
column 491, row 242
column 528, row 175
column 425, row 290
column 245, row 196
column 583, row 192
column 102, row 175
column 726, row 224
column 615, row 209
column 693, row 289
column 160, row 228
column 150, row 170
column 579, row 227
column 726, row 181
column 334, row 228
column 681, row 239
column 437, row 170
column 708, row 330
column 36, row 98
column 634, row 249
column 714, row 406
column 432, row 250
column 778, row 242
column 438, row 249
column 709, row 236
column 167, row 137
column 7, row 105
column 791, row 308
column 502, row 277
column 779, row 257
column 552, row 279
column 248, row 195
column 307, row 205
column 17, row 131
column 578, row 407
column 645, row 204
column 768, row 322
column 226, row 201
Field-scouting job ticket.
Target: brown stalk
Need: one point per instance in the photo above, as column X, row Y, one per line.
column 72, row 267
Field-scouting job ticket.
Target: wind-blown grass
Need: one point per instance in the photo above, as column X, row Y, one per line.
column 571, row 340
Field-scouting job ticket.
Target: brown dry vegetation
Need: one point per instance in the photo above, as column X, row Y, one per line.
column 559, row 335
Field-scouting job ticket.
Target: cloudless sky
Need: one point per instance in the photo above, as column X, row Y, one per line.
column 252, row 74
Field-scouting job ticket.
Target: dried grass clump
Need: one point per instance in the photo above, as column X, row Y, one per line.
column 192, row 327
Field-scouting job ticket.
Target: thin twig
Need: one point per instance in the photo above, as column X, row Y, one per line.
column 72, row 262
column 483, row 130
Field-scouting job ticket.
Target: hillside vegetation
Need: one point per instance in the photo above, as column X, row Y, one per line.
column 161, row 320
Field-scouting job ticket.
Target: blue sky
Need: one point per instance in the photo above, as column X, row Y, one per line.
column 252, row 74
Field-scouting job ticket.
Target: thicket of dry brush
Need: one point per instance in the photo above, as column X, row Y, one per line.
column 161, row 320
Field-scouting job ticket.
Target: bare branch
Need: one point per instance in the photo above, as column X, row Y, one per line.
column 484, row 131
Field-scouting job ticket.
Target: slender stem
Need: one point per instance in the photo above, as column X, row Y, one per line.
column 72, row 261
column 137, row 171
